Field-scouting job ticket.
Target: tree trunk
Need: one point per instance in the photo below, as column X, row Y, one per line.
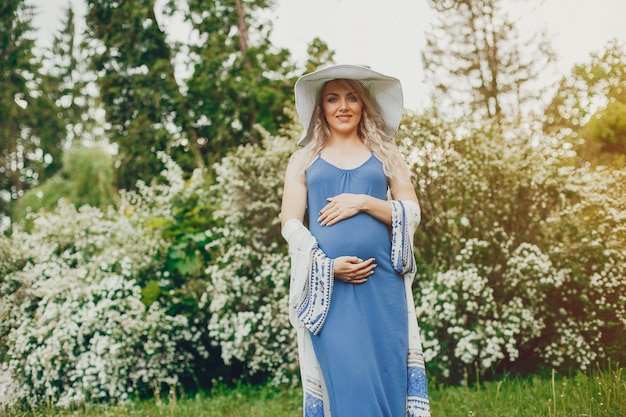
column 243, row 32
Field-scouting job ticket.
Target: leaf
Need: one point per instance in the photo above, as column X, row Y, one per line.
column 150, row 293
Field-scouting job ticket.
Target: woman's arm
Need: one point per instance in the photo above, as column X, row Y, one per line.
column 294, row 191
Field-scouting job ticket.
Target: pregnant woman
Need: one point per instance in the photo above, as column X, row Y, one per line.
column 350, row 292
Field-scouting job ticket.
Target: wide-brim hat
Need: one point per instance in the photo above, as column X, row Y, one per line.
column 386, row 92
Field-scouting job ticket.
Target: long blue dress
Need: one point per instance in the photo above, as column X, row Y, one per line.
column 362, row 347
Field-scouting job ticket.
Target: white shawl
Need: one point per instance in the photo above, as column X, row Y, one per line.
column 310, row 291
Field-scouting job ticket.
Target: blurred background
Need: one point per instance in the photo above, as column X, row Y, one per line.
column 143, row 146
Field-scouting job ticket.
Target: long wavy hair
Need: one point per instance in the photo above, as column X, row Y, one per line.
column 370, row 131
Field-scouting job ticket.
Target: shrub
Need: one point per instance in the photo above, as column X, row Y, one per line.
column 89, row 312
column 249, row 283
column 522, row 255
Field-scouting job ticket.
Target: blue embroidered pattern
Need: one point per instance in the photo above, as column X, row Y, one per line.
column 313, row 403
column 418, row 404
column 313, row 407
column 417, row 382
column 313, row 307
column 402, row 251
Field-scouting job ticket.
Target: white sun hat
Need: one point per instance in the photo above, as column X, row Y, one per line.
column 386, row 93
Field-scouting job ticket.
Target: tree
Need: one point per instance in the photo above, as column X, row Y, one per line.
column 70, row 84
column 31, row 133
column 319, row 55
column 587, row 110
column 479, row 63
column 133, row 65
column 238, row 78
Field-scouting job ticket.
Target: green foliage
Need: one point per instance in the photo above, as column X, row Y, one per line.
column 586, row 110
column 239, row 79
column 249, row 282
column 319, row 55
column 600, row 394
column 69, row 84
column 150, row 293
column 609, row 127
column 90, row 311
column 73, row 320
column 137, row 84
column 518, row 267
column 46, row 196
column 92, row 176
column 605, row 136
column 588, row 239
column 87, row 178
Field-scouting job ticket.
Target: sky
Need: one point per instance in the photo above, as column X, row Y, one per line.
column 388, row 35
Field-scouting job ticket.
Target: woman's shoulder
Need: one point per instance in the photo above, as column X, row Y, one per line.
column 300, row 161
column 298, row 156
column 298, row 153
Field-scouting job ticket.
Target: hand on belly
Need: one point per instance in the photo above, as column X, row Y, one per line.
column 353, row 270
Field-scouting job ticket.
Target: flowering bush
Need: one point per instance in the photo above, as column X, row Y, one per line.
column 80, row 320
column 249, row 283
column 588, row 237
column 466, row 322
column 521, row 255
column 522, row 264
column 500, row 281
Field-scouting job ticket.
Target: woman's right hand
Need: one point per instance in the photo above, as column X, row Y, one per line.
column 353, row 270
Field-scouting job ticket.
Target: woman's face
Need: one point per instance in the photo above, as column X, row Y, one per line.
column 342, row 108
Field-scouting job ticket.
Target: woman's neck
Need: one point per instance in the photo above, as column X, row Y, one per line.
column 347, row 142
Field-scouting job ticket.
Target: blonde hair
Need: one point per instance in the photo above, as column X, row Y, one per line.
column 370, row 130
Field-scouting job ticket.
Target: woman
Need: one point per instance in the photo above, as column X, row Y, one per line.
column 350, row 295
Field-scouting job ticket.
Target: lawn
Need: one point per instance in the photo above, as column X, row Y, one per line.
column 597, row 394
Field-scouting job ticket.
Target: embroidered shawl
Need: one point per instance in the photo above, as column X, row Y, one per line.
column 310, row 291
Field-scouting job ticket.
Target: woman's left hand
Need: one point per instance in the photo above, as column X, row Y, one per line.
column 341, row 207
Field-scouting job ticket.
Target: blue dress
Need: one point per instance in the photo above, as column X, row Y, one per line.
column 362, row 347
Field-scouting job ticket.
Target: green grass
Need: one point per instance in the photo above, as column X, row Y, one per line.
column 586, row 395
column 245, row 400
column 596, row 395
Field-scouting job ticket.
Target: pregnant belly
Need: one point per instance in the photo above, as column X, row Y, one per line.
column 361, row 236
